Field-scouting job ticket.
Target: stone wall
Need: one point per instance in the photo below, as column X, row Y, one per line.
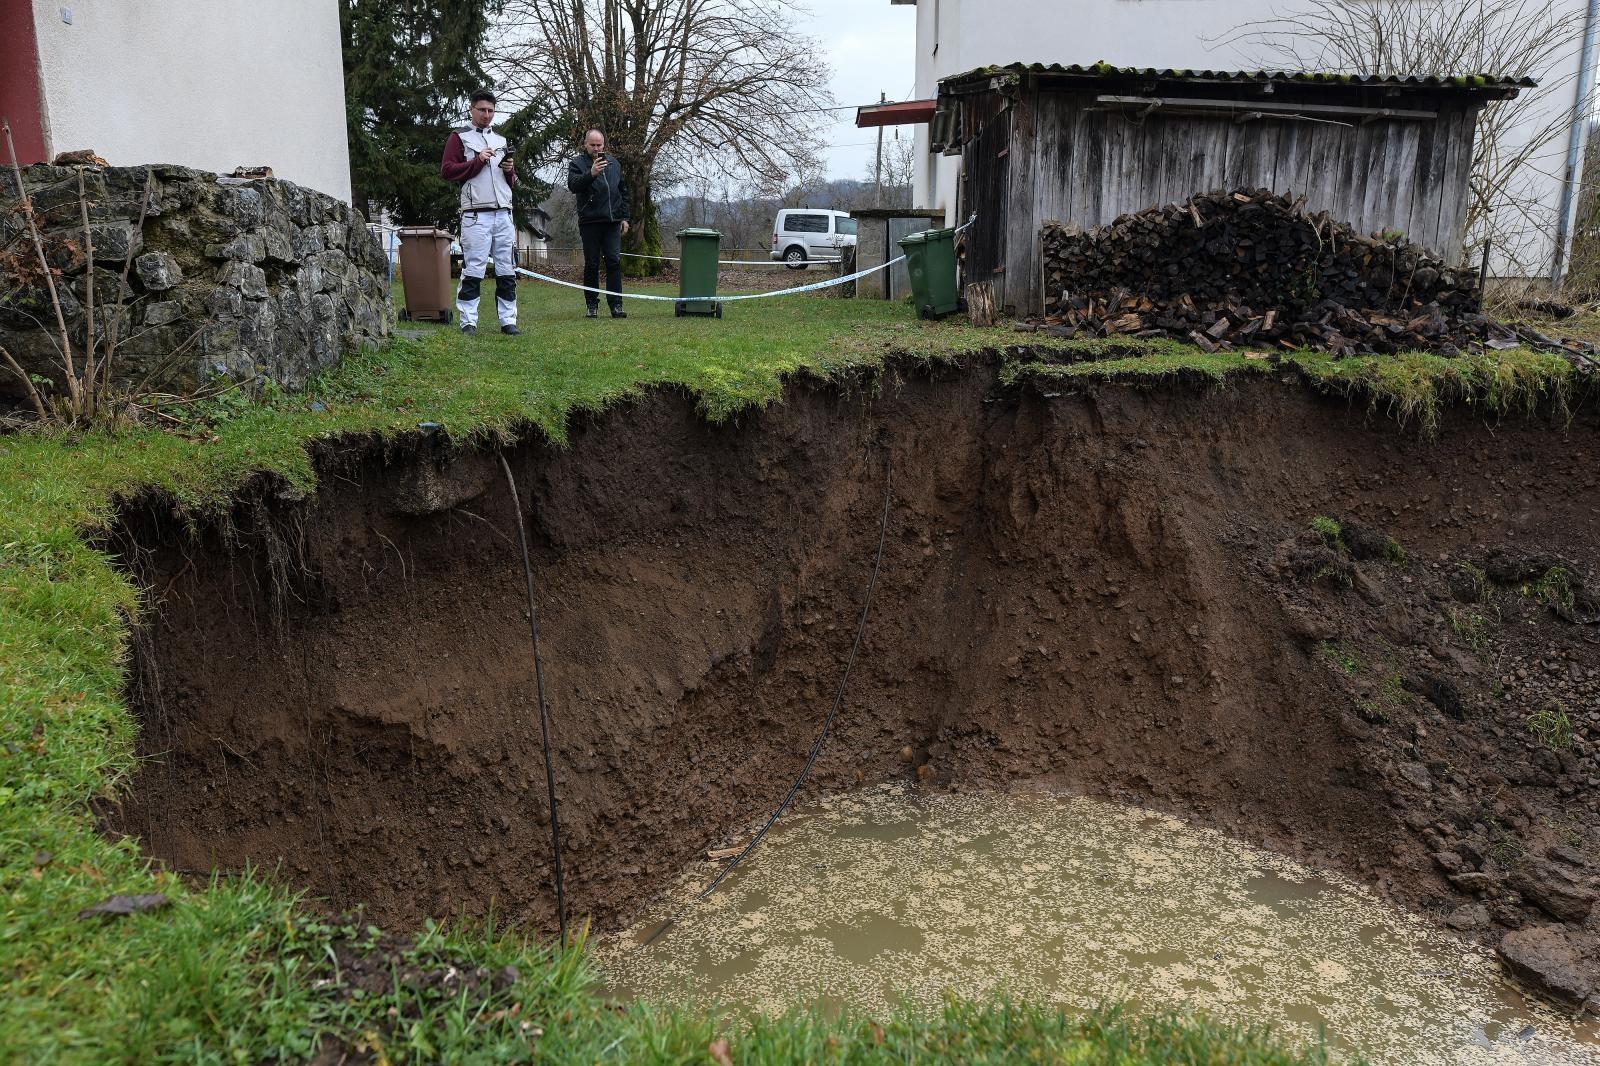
column 252, row 280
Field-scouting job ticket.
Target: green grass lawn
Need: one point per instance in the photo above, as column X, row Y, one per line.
column 238, row 970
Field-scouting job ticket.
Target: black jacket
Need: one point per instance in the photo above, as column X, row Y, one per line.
column 602, row 199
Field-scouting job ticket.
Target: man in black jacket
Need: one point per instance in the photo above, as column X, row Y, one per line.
column 596, row 179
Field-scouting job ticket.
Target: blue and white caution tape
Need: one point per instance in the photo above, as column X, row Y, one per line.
column 714, row 299
column 728, row 262
column 730, row 299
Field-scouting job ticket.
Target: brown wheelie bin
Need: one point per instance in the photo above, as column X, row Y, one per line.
column 425, row 273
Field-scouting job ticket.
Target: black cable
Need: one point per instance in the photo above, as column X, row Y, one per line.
column 544, row 715
column 827, row 723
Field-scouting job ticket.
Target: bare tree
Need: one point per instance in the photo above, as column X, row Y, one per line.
column 679, row 87
column 1517, row 140
column 899, row 166
column 798, row 182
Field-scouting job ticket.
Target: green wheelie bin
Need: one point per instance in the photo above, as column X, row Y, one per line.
column 931, row 262
column 697, row 272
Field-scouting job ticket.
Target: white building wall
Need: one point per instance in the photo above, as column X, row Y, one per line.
column 1191, row 34
column 212, row 85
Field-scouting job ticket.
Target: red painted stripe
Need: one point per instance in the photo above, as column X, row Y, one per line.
column 21, row 95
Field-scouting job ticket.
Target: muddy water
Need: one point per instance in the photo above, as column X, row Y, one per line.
column 893, row 892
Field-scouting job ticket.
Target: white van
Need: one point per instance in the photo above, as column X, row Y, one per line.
column 803, row 233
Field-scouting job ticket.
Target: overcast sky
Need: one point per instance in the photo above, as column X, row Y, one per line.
column 871, row 46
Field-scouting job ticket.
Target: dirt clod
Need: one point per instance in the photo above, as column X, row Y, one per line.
column 121, row 906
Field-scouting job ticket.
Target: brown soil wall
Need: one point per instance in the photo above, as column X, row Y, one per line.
column 1097, row 591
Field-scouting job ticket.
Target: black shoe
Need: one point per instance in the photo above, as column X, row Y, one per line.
column 617, row 312
column 511, row 331
column 593, row 312
column 470, row 331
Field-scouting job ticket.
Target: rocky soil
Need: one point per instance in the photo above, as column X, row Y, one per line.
column 1474, row 677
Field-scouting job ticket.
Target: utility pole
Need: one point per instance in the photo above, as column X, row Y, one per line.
column 877, row 167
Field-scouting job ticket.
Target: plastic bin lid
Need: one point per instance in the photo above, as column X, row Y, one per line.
column 698, row 231
column 422, row 231
column 922, row 236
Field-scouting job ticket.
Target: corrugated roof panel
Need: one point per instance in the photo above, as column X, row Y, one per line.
column 1479, row 82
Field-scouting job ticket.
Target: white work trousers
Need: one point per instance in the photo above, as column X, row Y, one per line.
column 488, row 235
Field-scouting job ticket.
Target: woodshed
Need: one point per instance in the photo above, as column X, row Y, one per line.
column 1083, row 145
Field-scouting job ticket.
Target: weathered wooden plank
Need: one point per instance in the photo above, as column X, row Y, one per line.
column 1021, row 288
column 1133, row 190
column 1138, row 184
column 1063, row 153
column 1428, row 181
column 1208, row 155
column 1364, row 197
column 1454, row 192
column 1252, row 155
column 1441, row 200
column 985, row 189
column 1055, row 153
column 1317, row 155
column 1401, row 161
column 1292, row 168
column 1171, row 159
column 1095, row 131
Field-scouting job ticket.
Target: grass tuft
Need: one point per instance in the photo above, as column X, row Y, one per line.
column 1470, row 627
column 1331, row 532
column 1416, row 387
column 1554, row 588
column 1552, row 727
column 1341, row 655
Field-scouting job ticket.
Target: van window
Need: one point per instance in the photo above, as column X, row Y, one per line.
column 846, row 226
column 796, row 222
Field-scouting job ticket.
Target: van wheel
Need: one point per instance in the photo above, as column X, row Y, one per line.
column 795, row 257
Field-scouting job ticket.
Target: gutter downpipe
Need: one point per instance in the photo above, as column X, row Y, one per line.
column 1580, row 122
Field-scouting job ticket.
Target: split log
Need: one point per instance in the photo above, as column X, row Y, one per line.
column 980, row 303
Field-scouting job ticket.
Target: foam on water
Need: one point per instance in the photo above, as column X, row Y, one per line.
column 892, row 892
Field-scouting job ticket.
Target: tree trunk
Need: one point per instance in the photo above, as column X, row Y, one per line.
column 644, row 235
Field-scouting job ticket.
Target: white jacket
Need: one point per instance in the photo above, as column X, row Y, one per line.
column 487, row 189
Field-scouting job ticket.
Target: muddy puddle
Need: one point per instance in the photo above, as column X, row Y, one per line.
column 894, row 893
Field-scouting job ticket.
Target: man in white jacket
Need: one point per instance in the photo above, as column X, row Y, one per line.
column 478, row 159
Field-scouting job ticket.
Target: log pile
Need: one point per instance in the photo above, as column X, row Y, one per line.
column 1251, row 269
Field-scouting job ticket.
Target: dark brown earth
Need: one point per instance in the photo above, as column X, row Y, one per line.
column 1113, row 591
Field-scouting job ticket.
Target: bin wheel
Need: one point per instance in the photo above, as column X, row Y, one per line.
column 405, row 314
column 925, row 312
column 678, row 310
column 718, row 311
column 444, row 316
column 961, row 305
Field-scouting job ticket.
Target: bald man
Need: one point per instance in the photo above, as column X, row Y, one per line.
column 595, row 178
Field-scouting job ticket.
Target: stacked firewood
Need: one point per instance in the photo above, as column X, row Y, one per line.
column 1254, row 269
